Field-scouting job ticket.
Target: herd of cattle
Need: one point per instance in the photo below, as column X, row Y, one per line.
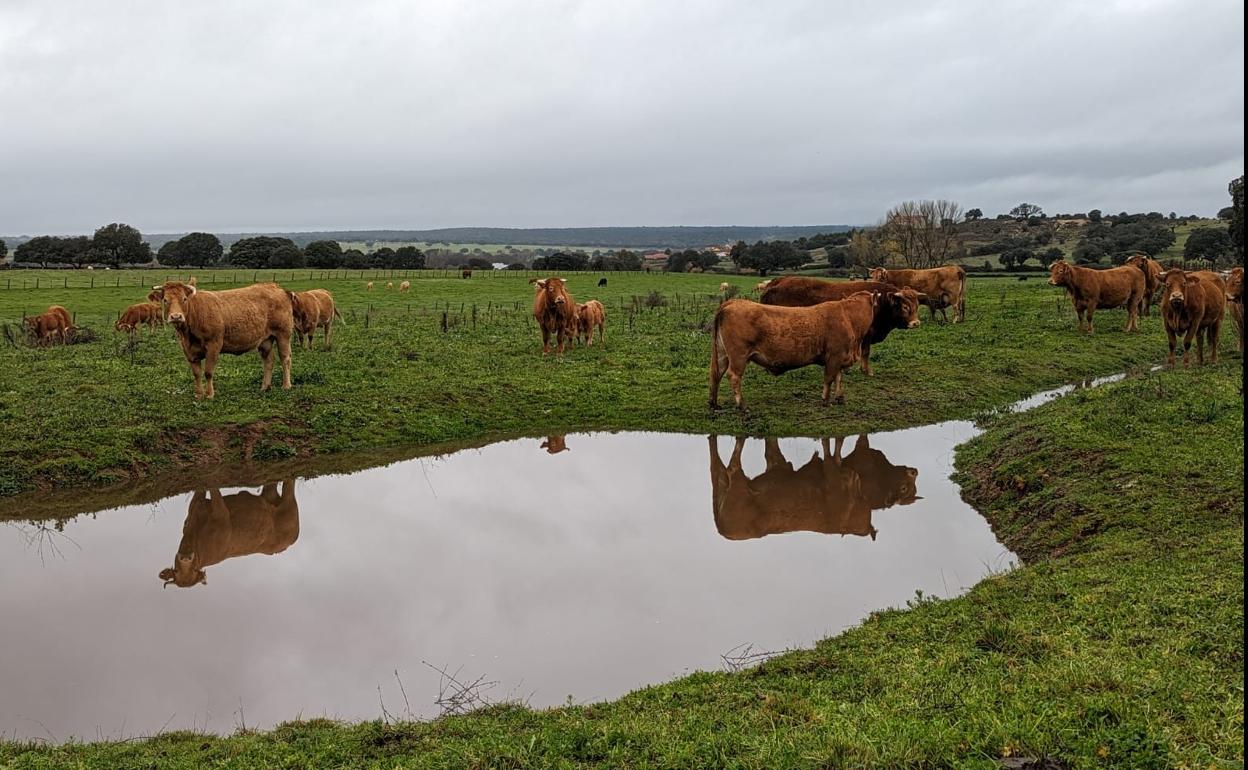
column 796, row 322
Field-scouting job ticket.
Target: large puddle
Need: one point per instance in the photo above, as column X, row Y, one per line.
column 577, row 567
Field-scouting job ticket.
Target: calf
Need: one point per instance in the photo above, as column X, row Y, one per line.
column 53, row 323
column 1192, row 305
column 369, row 286
column 589, row 316
column 1091, row 289
column 405, row 286
column 602, row 282
column 783, row 338
column 465, row 274
column 1235, row 301
column 554, row 310
column 1152, row 279
column 235, row 321
column 942, row 287
column 796, row 291
column 143, row 313
column 312, row 310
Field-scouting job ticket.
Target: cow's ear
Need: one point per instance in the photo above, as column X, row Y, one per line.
column 1191, row 280
column 166, row 573
column 920, row 296
column 190, row 291
column 203, row 577
column 158, row 291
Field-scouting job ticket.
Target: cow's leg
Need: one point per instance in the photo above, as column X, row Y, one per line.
column 545, row 341
column 831, row 375
column 1170, row 338
column 773, row 455
column 1133, row 316
column 210, row 365
column 1091, row 327
column 735, row 373
column 1213, row 332
column 1200, row 346
column 866, row 359
column 197, row 373
column 265, row 349
column 734, row 462
column 1187, row 344
column 283, row 350
column 602, row 333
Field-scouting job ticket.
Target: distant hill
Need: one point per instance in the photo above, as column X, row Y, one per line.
column 601, row 237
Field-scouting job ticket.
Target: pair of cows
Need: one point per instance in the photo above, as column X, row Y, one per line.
column 559, row 316
column 236, row 321
column 806, row 321
column 1193, row 304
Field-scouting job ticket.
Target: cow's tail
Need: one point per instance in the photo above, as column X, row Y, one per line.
column 719, row 358
column 339, row 316
column 962, row 293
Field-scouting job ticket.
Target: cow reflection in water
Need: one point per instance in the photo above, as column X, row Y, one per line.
column 220, row 527
column 555, row 444
column 829, row 494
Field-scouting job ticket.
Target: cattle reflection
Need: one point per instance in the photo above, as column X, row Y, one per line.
column 220, row 527
column 555, row 444
column 830, row 494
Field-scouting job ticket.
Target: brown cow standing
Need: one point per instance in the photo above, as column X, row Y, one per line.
column 554, row 310
column 797, row 291
column 589, row 316
column 312, row 310
column 943, row 287
column 1235, row 301
column 1091, row 290
column 224, row 527
column 1152, row 279
column 822, row 496
column 782, row 338
column 234, row 321
column 1192, row 305
column 465, row 274
column 143, row 313
column 55, row 322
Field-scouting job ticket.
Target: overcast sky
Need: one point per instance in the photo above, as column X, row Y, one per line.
column 310, row 114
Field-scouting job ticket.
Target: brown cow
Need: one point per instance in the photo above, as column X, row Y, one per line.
column 1091, row 290
column 148, row 313
column 554, row 310
column 465, row 274
column 555, row 444
column 234, row 321
column 781, row 338
column 221, row 527
column 55, row 322
column 1192, row 305
column 1152, row 279
column 797, row 291
column 942, row 286
column 588, row 316
column 1235, row 301
column 405, row 286
column 312, row 310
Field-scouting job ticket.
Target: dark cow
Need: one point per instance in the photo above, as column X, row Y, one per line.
column 602, row 282
column 1192, row 306
column 783, row 338
column 234, row 321
column 220, row 527
column 942, row 287
column 554, row 310
column 797, row 291
column 465, row 274
column 1091, row 290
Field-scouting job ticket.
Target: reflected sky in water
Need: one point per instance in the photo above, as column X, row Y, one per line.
column 582, row 566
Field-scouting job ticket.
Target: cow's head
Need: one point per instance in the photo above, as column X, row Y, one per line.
column 1059, row 273
column 174, row 296
column 900, row 307
column 1235, row 285
column 879, row 274
column 296, row 307
column 122, row 326
column 554, row 290
column 905, row 490
column 184, row 573
column 1175, row 283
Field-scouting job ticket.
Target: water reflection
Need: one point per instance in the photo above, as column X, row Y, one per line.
column 830, row 494
column 555, row 444
column 220, row 527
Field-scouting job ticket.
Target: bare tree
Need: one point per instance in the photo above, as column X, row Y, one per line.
column 923, row 233
column 866, row 249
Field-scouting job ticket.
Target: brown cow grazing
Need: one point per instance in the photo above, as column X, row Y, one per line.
column 221, row 527
column 1091, row 290
column 369, row 286
column 389, row 285
column 555, row 444
column 588, row 316
column 1235, row 301
column 143, row 313
column 822, row 496
column 405, row 286
column 52, row 324
column 554, row 310
column 312, row 310
column 465, row 274
column 1152, row 279
column 782, row 338
column 1192, row 306
column 796, row 291
column 943, row 287
column 234, row 321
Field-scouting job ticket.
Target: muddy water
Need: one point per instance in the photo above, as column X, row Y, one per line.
column 579, row 566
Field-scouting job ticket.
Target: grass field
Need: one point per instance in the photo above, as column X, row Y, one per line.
column 111, row 411
column 1119, row 645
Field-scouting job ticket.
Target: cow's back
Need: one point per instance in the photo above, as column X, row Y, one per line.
column 243, row 318
column 798, row 291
